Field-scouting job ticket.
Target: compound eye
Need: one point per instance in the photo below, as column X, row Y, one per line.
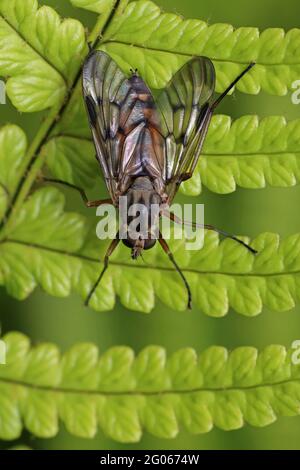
column 149, row 243
column 128, row 242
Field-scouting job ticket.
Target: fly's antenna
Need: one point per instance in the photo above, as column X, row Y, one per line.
column 144, row 261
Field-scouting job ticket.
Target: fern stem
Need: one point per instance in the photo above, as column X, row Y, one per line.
column 157, row 267
column 143, row 392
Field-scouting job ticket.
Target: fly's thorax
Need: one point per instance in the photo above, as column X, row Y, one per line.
column 145, row 102
column 140, row 87
column 139, row 216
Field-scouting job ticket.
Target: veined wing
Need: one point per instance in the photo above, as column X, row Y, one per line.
column 185, row 116
column 124, row 122
column 105, row 88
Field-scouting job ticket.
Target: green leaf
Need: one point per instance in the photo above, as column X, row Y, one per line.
column 248, row 152
column 71, row 161
column 98, row 6
column 39, row 52
column 42, row 245
column 191, row 391
column 57, row 141
column 13, row 144
column 38, row 47
column 156, row 67
column 158, row 43
column 60, row 252
column 41, row 222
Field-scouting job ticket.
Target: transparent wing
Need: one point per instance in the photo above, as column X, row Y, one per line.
column 185, row 116
column 105, row 87
column 124, row 122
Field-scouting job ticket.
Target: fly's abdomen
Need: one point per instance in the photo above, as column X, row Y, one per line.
column 143, row 148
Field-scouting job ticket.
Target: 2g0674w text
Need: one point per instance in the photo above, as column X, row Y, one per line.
column 150, row 459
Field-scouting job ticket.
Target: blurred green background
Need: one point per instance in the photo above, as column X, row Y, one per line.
column 245, row 212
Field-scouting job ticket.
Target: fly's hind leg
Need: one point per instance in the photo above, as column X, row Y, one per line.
column 81, row 191
column 177, row 220
column 229, row 88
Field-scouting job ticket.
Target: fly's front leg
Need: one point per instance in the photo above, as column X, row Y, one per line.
column 167, row 250
column 159, row 186
column 158, row 183
column 108, row 253
column 81, row 191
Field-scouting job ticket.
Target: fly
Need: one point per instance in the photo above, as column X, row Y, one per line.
column 147, row 147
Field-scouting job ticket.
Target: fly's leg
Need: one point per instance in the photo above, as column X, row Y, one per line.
column 177, row 220
column 93, row 45
column 81, row 192
column 158, row 182
column 167, row 250
column 108, row 253
column 238, row 78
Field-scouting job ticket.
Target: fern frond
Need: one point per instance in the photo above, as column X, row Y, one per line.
column 72, row 160
column 159, row 43
column 39, row 52
column 247, row 152
column 97, row 6
column 56, row 250
column 60, row 62
column 35, row 49
column 13, row 145
column 123, row 394
column 42, row 222
column 221, row 275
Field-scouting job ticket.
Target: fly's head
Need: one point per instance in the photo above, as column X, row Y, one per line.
column 140, row 235
column 140, row 219
column 134, row 72
column 137, row 246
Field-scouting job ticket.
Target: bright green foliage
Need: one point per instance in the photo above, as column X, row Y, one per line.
column 220, row 276
column 98, row 6
column 72, row 160
column 39, row 52
column 56, row 250
column 123, row 394
column 164, row 41
column 41, row 222
column 13, row 145
column 246, row 152
column 42, row 245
